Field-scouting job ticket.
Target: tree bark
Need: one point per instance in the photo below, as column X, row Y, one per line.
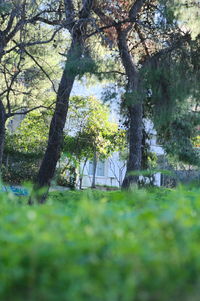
column 52, row 153
column 75, row 57
column 2, row 132
column 135, row 146
column 135, row 110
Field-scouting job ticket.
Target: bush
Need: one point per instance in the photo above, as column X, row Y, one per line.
column 20, row 168
column 19, row 172
column 107, row 246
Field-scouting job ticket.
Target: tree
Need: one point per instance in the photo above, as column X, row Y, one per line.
column 78, row 62
column 31, row 134
column 121, row 21
column 188, row 13
column 175, row 100
column 18, row 19
column 93, row 135
column 24, row 147
column 144, row 31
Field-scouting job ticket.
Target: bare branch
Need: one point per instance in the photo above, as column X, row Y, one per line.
column 17, row 27
column 110, row 72
column 142, row 40
column 47, row 21
column 22, row 45
column 135, row 9
column 29, row 110
column 41, row 68
column 10, row 22
column 41, row 42
column 118, row 24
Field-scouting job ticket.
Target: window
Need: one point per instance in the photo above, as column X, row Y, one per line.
column 90, row 168
column 100, row 171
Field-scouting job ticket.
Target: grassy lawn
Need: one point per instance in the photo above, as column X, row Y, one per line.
column 101, row 246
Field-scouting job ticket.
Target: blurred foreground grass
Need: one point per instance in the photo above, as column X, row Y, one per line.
column 101, row 246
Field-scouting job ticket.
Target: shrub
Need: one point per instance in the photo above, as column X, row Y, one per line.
column 107, row 246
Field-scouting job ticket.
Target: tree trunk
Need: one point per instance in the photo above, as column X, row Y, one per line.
column 134, row 106
column 80, row 182
column 81, row 174
column 135, row 145
column 74, row 66
column 94, row 170
column 2, row 132
column 52, row 153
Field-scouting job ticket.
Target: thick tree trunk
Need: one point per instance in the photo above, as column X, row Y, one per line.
column 2, row 132
column 135, row 145
column 75, row 57
column 52, row 153
column 134, row 106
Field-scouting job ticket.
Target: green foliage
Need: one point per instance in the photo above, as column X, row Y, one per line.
column 117, row 246
column 5, row 7
column 20, row 168
column 89, row 131
column 24, row 148
column 174, row 84
column 78, row 67
column 93, row 129
column 31, row 135
column 188, row 13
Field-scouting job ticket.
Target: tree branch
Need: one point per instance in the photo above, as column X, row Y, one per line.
column 135, row 9
column 69, row 14
column 10, row 22
column 110, row 72
column 22, row 45
column 163, row 52
column 8, row 115
column 86, row 9
column 41, row 68
column 142, row 40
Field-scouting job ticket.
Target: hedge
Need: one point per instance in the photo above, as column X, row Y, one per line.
column 136, row 246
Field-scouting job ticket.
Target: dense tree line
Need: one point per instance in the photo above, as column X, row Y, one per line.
column 150, row 47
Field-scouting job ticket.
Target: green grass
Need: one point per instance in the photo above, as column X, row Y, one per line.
column 101, row 246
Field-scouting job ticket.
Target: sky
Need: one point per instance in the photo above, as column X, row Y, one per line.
column 81, row 88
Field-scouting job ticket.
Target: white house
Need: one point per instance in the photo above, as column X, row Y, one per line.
column 111, row 171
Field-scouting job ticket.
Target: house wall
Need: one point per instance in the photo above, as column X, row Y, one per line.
column 114, row 172
column 115, row 169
